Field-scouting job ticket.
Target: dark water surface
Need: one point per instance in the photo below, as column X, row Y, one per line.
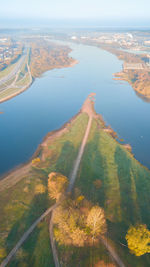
column 59, row 94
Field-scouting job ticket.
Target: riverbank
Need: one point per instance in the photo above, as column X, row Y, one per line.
column 135, row 71
column 9, row 179
column 27, row 185
column 140, row 82
column 49, row 57
column 72, row 64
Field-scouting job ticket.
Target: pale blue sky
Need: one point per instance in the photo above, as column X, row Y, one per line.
column 76, row 9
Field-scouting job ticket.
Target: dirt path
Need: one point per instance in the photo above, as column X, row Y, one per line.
column 86, row 108
column 79, row 157
column 112, row 252
column 25, row 235
column 53, row 244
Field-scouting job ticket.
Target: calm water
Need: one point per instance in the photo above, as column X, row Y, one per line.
column 59, row 94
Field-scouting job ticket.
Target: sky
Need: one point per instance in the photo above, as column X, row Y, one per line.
column 103, row 12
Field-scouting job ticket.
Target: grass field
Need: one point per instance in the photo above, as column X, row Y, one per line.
column 124, row 194
column 125, row 189
column 36, row 251
column 21, row 204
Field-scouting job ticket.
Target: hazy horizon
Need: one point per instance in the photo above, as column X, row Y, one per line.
column 73, row 13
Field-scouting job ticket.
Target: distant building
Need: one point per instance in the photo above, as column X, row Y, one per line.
column 73, row 37
column 134, row 66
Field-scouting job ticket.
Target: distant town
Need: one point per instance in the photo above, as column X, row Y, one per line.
column 121, row 40
column 10, row 50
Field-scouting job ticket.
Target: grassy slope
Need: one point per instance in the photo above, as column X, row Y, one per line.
column 22, row 204
column 125, row 190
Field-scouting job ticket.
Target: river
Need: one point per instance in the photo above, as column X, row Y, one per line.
column 59, row 94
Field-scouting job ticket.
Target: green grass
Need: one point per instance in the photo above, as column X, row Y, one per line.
column 21, row 204
column 83, row 257
column 36, row 251
column 124, row 194
column 125, row 190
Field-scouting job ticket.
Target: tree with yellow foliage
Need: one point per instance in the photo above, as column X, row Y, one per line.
column 78, row 223
column 96, row 222
column 57, row 185
column 138, row 239
column 35, row 161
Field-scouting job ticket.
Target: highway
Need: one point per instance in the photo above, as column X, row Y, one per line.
column 15, row 69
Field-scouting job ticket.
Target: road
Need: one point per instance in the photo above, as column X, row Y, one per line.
column 19, row 89
column 15, row 69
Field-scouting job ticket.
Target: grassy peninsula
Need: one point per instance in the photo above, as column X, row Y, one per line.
column 108, row 176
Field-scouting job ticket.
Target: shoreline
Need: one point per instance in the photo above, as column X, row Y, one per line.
column 119, row 76
column 17, row 93
column 138, row 85
column 5, row 178
column 72, row 64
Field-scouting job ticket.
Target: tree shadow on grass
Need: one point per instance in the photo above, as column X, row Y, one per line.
column 128, row 206
column 66, row 159
column 38, row 205
column 134, row 182
column 92, row 168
